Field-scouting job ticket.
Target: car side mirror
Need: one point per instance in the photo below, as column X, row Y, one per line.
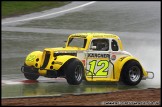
column 93, row 48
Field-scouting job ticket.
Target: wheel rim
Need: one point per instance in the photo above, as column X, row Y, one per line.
column 134, row 73
column 78, row 73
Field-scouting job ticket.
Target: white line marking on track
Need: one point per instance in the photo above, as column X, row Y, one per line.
column 25, row 81
column 11, row 82
column 83, row 5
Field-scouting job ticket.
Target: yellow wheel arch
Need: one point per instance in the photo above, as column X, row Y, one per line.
column 61, row 60
column 119, row 64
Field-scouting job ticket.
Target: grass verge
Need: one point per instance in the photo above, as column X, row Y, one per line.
column 16, row 8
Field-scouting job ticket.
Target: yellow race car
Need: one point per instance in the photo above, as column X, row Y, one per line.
column 90, row 56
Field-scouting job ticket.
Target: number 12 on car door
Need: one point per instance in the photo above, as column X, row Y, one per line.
column 97, row 68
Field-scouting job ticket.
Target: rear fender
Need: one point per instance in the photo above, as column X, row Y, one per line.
column 119, row 64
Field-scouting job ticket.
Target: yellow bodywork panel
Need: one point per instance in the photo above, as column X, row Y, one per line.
column 120, row 63
column 58, row 63
column 61, row 60
column 114, row 73
column 42, row 72
column 34, row 59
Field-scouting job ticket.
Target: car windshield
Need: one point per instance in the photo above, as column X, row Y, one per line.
column 77, row 42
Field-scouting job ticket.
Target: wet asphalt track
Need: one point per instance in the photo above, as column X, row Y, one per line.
column 136, row 23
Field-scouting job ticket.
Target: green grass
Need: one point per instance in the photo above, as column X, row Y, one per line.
column 15, row 8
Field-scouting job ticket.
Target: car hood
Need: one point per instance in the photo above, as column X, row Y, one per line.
column 61, row 49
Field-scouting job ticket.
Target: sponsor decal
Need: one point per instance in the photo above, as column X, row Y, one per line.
column 122, row 58
column 98, row 55
column 60, row 63
column 83, row 61
column 31, row 58
column 113, row 57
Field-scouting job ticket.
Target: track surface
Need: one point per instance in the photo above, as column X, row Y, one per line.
column 136, row 23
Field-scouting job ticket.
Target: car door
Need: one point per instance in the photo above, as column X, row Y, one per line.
column 98, row 64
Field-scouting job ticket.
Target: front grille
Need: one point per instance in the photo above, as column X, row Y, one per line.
column 46, row 59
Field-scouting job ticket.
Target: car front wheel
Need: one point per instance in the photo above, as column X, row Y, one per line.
column 31, row 76
column 30, row 73
column 74, row 72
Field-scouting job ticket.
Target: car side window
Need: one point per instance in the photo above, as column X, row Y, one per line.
column 114, row 45
column 100, row 44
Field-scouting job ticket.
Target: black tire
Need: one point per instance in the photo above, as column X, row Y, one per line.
column 31, row 76
column 131, row 73
column 28, row 73
column 74, row 72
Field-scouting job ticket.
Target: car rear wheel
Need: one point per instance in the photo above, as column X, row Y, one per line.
column 131, row 73
column 74, row 72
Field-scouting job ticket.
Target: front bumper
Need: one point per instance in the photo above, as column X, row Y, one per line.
column 35, row 71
